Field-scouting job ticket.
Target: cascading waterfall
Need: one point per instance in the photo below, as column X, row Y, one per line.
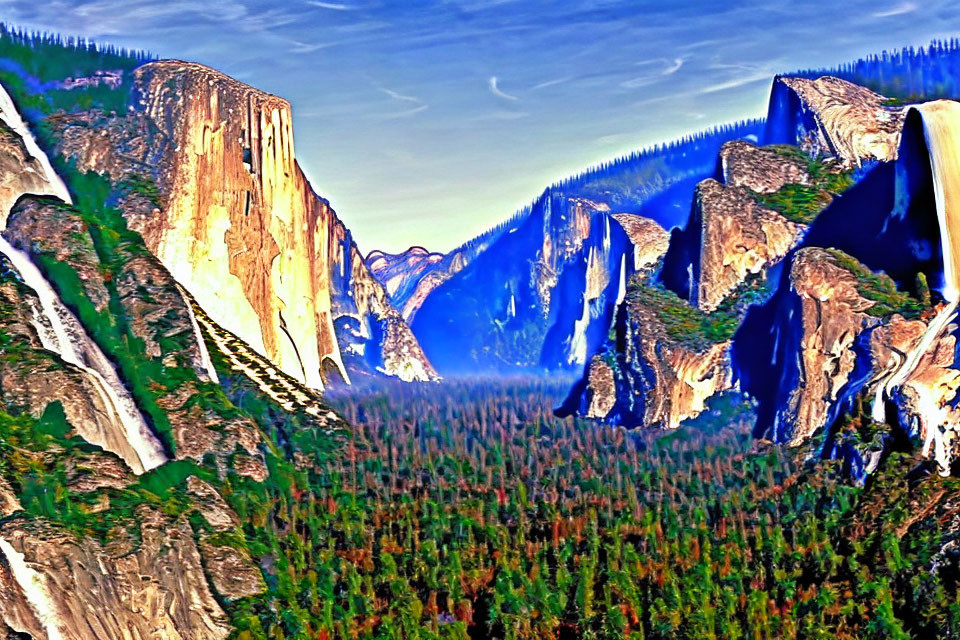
column 61, row 332
column 205, row 362
column 941, row 131
column 11, row 117
column 34, row 589
column 622, row 286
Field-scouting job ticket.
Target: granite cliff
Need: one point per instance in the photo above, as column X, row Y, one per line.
column 816, row 273
column 539, row 292
column 239, row 226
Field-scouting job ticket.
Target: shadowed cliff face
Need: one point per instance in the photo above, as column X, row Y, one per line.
column 238, row 224
column 410, row 276
column 818, row 287
column 540, row 293
column 505, row 312
column 662, row 362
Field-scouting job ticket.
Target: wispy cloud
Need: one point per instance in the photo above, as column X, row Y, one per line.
column 670, row 68
column 419, row 105
column 330, row 5
column 405, row 114
column 639, row 81
column 303, row 47
column 495, row 90
column 737, row 82
column 551, row 83
column 500, row 114
column 396, row 95
column 673, row 67
column 899, row 10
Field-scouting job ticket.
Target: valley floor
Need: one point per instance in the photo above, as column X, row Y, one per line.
column 467, row 510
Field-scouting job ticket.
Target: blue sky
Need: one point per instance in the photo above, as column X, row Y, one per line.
column 427, row 122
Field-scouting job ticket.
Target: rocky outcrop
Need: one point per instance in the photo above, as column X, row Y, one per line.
column 852, row 122
column 658, row 380
column 24, row 168
column 155, row 313
column 371, row 332
column 738, row 238
column 760, row 169
column 9, row 502
column 408, row 277
column 924, row 387
column 857, row 336
column 601, row 391
column 54, row 586
column 650, row 241
column 233, row 217
column 665, row 359
column 47, row 225
column 834, row 313
column 153, row 306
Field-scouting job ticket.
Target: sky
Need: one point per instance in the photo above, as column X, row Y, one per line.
column 425, row 123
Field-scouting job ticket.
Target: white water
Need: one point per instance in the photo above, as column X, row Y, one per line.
column 622, row 288
column 578, row 343
column 931, row 415
column 912, row 358
column 35, row 589
column 941, row 131
column 205, row 360
column 63, row 334
column 11, row 117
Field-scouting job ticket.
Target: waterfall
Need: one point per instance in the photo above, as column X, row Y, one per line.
column 578, row 342
column 941, row 132
column 34, row 590
column 622, row 287
column 61, row 332
column 11, row 117
column 205, row 362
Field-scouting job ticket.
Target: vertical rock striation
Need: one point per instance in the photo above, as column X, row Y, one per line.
column 238, row 224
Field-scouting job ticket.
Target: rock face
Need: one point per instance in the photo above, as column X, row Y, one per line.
column 833, row 316
column 501, row 313
column 739, row 238
column 539, row 292
column 33, row 378
column 760, row 169
column 651, row 377
column 372, row 334
column 654, row 371
column 650, row 241
column 236, row 221
column 71, row 368
column 241, row 228
column 844, row 333
column 845, row 119
column 410, row 276
column 927, row 392
column 53, row 586
column 24, row 168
